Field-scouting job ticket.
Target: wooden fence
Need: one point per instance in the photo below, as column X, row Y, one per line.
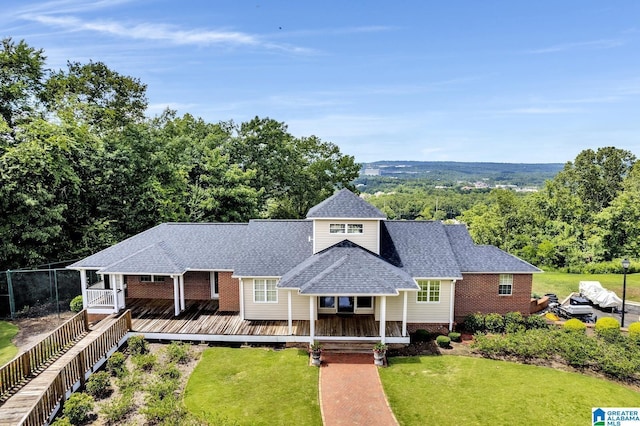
column 75, row 371
column 30, row 362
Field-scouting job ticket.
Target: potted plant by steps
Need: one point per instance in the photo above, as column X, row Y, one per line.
column 379, row 352
column 316, row 350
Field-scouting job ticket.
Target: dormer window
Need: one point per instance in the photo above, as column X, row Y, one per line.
column 346, row 228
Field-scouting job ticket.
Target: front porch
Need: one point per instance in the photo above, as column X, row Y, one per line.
column 201, row 321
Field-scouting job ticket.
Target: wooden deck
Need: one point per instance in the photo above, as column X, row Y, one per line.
column 203, row 318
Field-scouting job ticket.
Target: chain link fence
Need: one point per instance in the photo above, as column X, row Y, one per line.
column 41, row 291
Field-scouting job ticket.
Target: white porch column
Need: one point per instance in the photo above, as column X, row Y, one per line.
column 113, row 281
column 404, row 315
column 452, row 304
column 383, row 317
column 83, row 287
column 182, row 292
column 241, row 290
column 312, row 319
column 289, row 312
column 176, row 295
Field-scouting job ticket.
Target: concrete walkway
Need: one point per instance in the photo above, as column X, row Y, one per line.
column 351, row 392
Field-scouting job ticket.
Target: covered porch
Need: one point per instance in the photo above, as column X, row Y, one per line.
column 201, row 321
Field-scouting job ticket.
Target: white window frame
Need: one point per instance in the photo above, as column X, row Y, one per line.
column 505, row 282
column 355, row 228
column 430, row 289
column 152, row 278
column 262, row 285
column 337, row 228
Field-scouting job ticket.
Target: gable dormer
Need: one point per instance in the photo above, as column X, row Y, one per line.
column 345, row 216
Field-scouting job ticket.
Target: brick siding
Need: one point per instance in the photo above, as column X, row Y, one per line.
column 479, row 293
column 229, row 291
column 196, row 287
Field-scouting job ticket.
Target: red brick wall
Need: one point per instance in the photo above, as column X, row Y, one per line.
column 229, row 291
column 479, row 293
column 196, row 287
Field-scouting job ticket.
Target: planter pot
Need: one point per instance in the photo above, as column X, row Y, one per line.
column 315, row 358
column 378, row 357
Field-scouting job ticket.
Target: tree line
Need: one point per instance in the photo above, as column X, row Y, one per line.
column 82, row 167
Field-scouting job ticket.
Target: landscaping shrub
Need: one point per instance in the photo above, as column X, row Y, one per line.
column 616, row 362
column 608, row 329
column 514, row 322
column 138, row 345
column 421, row 335
column 455, row 337
column 116, row 365
column 160, row 388
column 78, row 407
column 61, row 421
column 178, row 352
column 494, row 323
column 536, row 322
column 76, row 304
column 130, row 382
column 574, row 325
column 443, row 341
column 576, row 348
column 634, row 331
column 167, row 411
column 99, row 385
column 115, row 410
column 144, row 362
column 169, row 372
column 474, row 323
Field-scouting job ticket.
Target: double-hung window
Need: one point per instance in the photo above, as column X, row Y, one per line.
column 151, row 279
column 505, row 288
column 337, row 228
column 355, row 228
column 265, row 291
column 346, row 228
column 429, row 291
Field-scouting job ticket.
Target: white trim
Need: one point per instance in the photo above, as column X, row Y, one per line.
column 314, row 237
column 452, row 304
column 397, row 293
column 437, row 278
column 347, row 218
column 312, row 319
column 113, row 282
column 182, row 303
column 504, row 272
column 209, row 270
column 176, row 296
column 429, row 293
column 241, row 290
column 241, row 338
column 383, row 318
column 404, row 315
column 289, row 314
column 212, row 284
column 83, row 287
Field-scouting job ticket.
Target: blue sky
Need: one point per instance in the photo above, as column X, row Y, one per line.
column 507, row 81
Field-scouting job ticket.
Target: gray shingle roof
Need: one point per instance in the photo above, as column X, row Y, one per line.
column 420, row 248
column 346, row 268
column 273, row 247
column 198, row 246
column 483, row 259
column 345, row 204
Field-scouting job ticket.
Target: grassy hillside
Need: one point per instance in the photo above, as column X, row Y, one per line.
column 563, row 284
column 7, row 350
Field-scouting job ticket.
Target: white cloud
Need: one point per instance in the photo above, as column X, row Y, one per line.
column 594, row 44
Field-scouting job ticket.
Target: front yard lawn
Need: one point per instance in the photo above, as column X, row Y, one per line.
column 7, row 349
column 562, row 283
column 254, row 386
column 455, row 390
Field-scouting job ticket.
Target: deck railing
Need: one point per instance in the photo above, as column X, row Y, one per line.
column 30, row 362
column 97, row 297
column 75, row 371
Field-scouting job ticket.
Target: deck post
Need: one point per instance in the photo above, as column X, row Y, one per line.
column 176, row 295
column 312, row 319
column 182, row 292
column 83, row 287
column 404, row 315
column 290, row 322
column 113, row 280
column 383, row 317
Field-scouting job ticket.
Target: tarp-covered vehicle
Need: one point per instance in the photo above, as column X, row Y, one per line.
column 599, row 295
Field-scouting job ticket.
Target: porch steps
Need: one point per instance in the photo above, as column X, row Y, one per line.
column 347, row 347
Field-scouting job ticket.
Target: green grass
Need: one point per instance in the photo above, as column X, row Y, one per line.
column 254, row 386
column 454, row 390
column 563, row 284
column 7, row 349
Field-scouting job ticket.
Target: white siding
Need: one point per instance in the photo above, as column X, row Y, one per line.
column 274, row 311
column 369, row 239
column 419, row 312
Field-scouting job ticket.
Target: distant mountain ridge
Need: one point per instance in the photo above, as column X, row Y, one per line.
column 452, row 171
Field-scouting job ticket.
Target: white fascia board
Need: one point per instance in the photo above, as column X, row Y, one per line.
column 349, row 218
column 351, row 294
column 208, row 270
column 502, row 272
column 260, row 277
column 439, row 278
